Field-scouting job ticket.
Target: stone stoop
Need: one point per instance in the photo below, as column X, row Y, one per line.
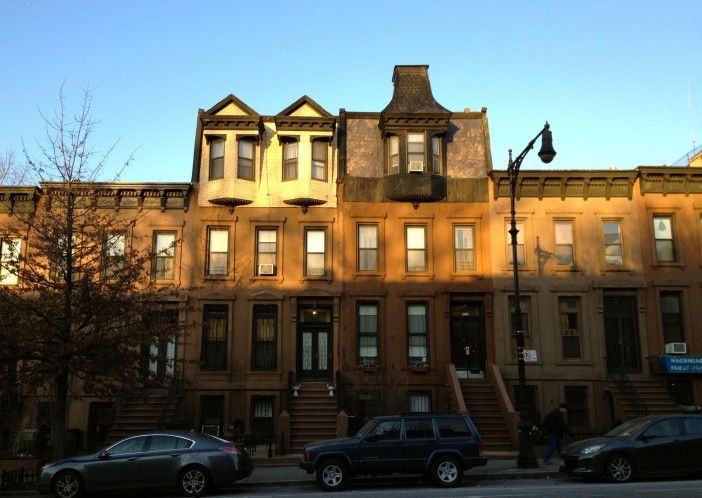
column 312, row 415
column 481, row 402
column 141, row 412
column 652, row 393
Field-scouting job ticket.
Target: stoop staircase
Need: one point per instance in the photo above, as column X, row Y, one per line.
column 146, row 410
column 481, row 402
column 642, row 397
column 312, row 415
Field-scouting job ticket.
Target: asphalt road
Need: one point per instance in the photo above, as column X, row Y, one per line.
column 508, row 488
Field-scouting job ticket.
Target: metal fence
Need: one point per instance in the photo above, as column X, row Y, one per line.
column 20, row 479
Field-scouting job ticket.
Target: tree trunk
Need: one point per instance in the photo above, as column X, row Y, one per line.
column 58, row 415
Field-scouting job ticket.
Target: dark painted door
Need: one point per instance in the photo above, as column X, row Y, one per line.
column 468, row 336
column 621, row 334
column 314, row 344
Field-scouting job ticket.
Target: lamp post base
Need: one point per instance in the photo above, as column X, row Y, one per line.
column 526, row 458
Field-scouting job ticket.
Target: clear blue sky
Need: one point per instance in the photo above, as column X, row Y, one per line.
column 611, row 77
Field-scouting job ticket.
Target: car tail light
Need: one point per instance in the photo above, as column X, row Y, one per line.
column 232, row 450
column 481, row 448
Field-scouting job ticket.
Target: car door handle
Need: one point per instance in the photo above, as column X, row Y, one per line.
column 175, row 454
column 131, row 459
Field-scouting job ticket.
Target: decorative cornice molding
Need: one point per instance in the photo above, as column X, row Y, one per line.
column 560, row 183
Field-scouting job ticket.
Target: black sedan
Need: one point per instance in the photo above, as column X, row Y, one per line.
column 661, row 445
column 188, row 461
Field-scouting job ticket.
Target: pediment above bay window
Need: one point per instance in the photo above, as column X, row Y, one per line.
column 232, row 114
column 304, row 115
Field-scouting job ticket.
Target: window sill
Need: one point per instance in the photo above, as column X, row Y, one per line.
column 317, row 279
column 366, row 274
column 420, row 368
column 407, row 275
column 264, row 278
column 671, row 264
column 368, row 368
column 217, row 277
column 467, row 274
column 574, row 363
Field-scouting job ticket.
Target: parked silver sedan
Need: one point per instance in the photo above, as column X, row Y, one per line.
column 191, row 462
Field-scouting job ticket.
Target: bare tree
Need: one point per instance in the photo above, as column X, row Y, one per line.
column 11, row 172
column 80, row 302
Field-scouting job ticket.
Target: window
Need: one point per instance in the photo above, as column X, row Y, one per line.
column 665, row 428
column 216, row 158
column 671, row 316
column 115, row 252
column 417, row 351
column 319, row 160
column 212, row 415
column 217, row 251
column 524, row 308
column 58, row 270
column 663, row 233
column 394, row 154
column 266, row 251
column 613, row 243
column 367, row 247
column 420, row 402
column 452, row 427
column 264, row 345
column 464, row 248
column 262, row 418
column 576, row 399
column 569, row 315
column 521, row 255
column 386, row 430
column 422, row 428
column 416, row 248
column 213, row 355
column 564, row 243
column 290, row 160
column 368, row 333
column 315, row 257
column 164, row 255
column 692, row 425
column 128, row 446
column 245, row 161
column 165, row 443
column 415, row 152
column 9, row 260
column 436, row 154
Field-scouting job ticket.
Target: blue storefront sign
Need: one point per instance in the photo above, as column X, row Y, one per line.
column 681, row 364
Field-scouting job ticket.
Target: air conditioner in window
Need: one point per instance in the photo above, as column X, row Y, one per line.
column 416, row 166
column 676, row 348
column 266, row 269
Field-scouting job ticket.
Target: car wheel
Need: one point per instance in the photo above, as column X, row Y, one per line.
column 194, row 481
column 619, row 468
column 332, row 474
column 67, row 485
column 446, row 471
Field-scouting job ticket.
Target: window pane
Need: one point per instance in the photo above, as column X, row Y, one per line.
column 415, row 237
column 564, row 232
column 219, row 240
column 165, row 244
column 315, row 241
column 394, row 154
column 315, row 264
column 420, row 403
column 367, row 244
column 9, row 260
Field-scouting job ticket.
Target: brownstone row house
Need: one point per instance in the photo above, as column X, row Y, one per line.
column 335, row 267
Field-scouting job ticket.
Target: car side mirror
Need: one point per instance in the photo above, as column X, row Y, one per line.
column 104, row 454
column 373, row 438
column 646, row 437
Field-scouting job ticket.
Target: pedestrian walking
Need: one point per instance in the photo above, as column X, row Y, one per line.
column 555, row 426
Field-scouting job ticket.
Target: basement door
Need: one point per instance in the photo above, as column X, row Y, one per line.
column 314, row 344
column 468, row 339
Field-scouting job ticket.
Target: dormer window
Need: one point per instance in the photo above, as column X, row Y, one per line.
column 415, row 152
column 394, row 154
column 319, row 160
column 245, row 161
column 216, row 158
column 290, row 160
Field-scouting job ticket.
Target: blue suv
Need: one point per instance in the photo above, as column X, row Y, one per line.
column 439, row 446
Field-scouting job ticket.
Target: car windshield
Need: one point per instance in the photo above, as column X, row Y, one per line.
column 366, row 428
column 627, row 428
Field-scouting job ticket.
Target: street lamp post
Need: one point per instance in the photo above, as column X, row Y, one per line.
column 525, row 458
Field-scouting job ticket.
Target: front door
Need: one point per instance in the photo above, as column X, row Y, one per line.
column 621, row 335
column 468, row 338
column 314, row 344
